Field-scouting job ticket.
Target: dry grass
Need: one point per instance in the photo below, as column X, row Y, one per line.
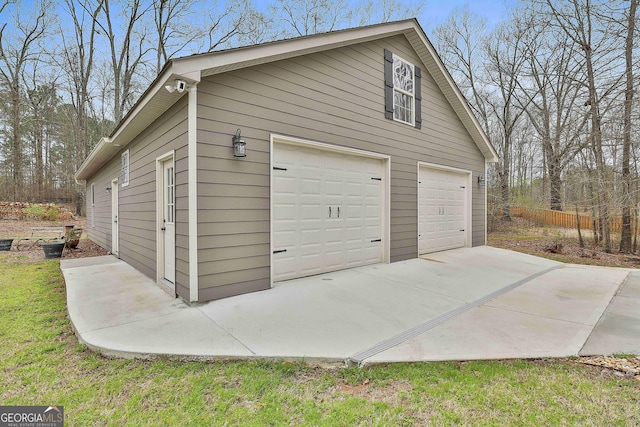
column 524, row 236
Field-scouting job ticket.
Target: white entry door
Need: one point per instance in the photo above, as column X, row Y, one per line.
column 168, row 221
column 115, row 227
column 327, row 211
column 442, row 210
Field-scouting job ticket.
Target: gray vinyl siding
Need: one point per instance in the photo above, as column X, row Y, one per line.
column 99, row 230
column 335, row 97
column 137, row 201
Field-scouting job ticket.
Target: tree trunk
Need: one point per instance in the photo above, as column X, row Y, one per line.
column 16, row 143
column 504, row 193
column 555, row 186
column 39, row 164
column 580, row 240
column 625, row 238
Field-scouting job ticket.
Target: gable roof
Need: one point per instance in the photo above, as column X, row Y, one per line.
column 156, row 100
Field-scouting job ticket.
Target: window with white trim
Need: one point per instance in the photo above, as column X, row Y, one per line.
column 403, row 91
column 93, row 203
column 124, row 171
column 403, row 95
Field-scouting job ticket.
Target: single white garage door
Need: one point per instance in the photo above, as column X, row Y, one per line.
column 327, row 211
column 442, row 207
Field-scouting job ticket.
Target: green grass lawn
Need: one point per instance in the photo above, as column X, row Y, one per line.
column 42, row 364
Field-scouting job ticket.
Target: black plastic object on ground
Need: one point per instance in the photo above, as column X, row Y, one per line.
column 5, row 244
column 53, row 250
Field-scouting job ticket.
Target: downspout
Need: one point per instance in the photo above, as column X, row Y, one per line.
column 192, row 132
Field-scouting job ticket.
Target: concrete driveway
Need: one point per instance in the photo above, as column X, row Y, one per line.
column 471, row 303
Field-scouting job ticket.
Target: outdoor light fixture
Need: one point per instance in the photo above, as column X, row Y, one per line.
column 239, row 146
column 108, row 190
column 481, row 181
column 179, row 85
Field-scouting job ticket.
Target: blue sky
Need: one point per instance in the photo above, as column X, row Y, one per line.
column 438, row 10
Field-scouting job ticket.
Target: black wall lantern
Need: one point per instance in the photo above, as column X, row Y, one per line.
column 108, row 190
column 481, row 181
column 239, row 146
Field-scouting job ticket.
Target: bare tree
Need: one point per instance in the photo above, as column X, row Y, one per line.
column 305, row 17
column 78, row 62
column 224, row 25
column 15, row 55
column 506, row 64
column 625, row 240
column 172, row 30
column 257, row 27
column 374, row 12
column 580, row 21
column 460, row 41
column 40, row 129
column 551, row 95
column 126, row 47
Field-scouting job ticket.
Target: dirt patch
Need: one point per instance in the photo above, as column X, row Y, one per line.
column 627, row 366
column 393, row 392
column 556, row 243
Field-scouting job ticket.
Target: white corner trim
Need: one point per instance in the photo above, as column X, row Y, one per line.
column 192, row 131
column 271, row 269
column 486, row 207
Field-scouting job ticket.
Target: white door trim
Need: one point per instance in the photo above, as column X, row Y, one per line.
column 468, row 201
column 160, row 273
column 115, row 220
column 386, row 193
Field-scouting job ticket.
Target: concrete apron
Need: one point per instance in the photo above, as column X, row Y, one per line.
column 470, row 303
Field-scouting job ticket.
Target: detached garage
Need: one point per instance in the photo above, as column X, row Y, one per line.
column 242, row 168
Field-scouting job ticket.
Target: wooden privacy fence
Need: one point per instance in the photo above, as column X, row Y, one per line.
column 561, row 218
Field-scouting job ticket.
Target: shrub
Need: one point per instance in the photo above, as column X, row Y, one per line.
column 52, row 213
column 42, row 212
column 35, row 211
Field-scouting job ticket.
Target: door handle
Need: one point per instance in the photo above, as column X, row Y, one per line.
column 162, row 229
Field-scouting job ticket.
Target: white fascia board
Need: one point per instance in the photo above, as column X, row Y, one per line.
column 156, row 88
column 92, row 158
column 134, row 122
column 222, row 61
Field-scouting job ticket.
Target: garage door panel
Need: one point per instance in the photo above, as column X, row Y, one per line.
column 337, row 211
column 442, row 208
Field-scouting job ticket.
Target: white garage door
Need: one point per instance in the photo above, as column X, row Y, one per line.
column 327, row 211
column 442, row 199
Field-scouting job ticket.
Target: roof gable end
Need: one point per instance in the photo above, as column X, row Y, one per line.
column 156, row 100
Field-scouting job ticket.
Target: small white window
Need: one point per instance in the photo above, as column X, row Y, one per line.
column 124, row 175
column 93, row 203
column 403, row 91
